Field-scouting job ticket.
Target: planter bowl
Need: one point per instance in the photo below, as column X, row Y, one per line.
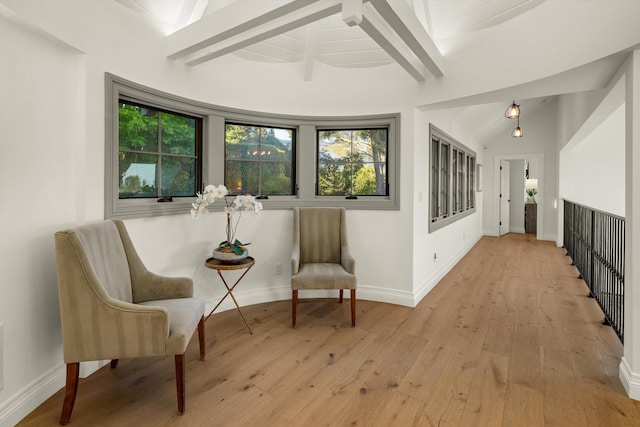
column 230, row 257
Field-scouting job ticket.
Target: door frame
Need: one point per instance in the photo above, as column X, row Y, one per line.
column 540, row 197
column 504, row 194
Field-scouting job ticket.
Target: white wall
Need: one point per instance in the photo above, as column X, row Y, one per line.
column 540, row 144
column 40, row 122
column 592, row 172
column 450, row 243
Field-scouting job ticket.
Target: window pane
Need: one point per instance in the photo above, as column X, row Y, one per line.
column 178, row 134
column 177, row 176
column 455, row 181
column 444, row 179
column 369, row 179
column 138, row 175
column 143, row 166
column 242, row 177
column 435, row 168
column 362, row 153
column 277, row 178
column 335, row 145
column 137, row 128
column 259, row 159
column 333, row 178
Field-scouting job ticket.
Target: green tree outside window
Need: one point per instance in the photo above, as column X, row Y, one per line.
column 259, row 160
column 352, row 162
column 158, row 152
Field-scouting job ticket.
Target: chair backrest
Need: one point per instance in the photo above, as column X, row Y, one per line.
column 321, row 234
column 98, row 249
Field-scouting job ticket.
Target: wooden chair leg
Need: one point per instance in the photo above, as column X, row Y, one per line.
column 294, row 303
column 353, row 308
column 201, row 337
column 340, row 300
column 180, row 382
column 71, row 388
column 113, row 364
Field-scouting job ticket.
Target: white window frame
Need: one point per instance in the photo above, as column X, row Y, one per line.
column 213, row 152
column 448, row 202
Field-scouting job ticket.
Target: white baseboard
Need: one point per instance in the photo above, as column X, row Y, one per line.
column 30, row 397
column 430, row 283
column 21, row 404
column 630, row 380
column 514, row 229
column 283, row 292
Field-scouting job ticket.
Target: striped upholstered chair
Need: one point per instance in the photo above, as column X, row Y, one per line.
column 112, row 307
column 320, row 257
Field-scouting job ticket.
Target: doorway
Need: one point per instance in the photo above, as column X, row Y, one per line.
column 510, row 195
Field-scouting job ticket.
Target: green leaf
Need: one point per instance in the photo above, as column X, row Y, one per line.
column 237, row 249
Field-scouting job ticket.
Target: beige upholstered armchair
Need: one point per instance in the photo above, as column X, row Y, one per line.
column 320, row 257
column 112, row 307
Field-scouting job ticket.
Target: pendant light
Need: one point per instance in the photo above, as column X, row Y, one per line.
column 513, row 111
column 517, row 132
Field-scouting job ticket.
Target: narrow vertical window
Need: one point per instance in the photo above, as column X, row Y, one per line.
column 444, row 180
column 452, row 180
column 159, row 152
column 435, row 175
column 471, row 174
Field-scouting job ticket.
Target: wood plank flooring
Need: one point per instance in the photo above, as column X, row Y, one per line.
column 507, row 338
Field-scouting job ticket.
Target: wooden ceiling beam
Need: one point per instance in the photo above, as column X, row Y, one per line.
column 400, row 16
column 381, row 32
column 236, row 27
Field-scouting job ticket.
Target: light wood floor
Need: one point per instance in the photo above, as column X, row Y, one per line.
column 507, row 338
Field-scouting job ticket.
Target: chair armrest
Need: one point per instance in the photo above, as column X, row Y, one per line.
column 295, row 248
column 347, row 261
column 107, row 328
column 295, row 260
column 148, row 286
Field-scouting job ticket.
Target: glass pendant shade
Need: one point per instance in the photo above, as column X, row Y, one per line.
column 517, row 132
column 513, row 111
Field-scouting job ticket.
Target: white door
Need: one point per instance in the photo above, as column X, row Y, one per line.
column 504, row 196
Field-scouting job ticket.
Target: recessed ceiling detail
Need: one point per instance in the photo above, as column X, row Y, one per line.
column 339, row 33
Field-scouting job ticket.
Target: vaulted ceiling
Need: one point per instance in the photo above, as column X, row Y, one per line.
column 339, row 33
column 417, row 35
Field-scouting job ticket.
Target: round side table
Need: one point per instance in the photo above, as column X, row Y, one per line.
column 220, row 266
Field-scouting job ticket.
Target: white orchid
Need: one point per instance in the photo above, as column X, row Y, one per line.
column 212, row 192
column 243, row 202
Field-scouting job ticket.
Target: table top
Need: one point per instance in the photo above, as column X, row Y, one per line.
column 216, row 264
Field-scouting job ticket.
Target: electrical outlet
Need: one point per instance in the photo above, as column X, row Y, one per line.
column 278, row 268
column 1, row 356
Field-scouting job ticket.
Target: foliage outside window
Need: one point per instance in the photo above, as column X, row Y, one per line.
column 158, row 152
column 352, row 162
column 452, row 179
column 162, row 148
column 259, row 160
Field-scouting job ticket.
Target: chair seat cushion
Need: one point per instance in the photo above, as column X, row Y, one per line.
column 184, row 315
column 323, row 276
